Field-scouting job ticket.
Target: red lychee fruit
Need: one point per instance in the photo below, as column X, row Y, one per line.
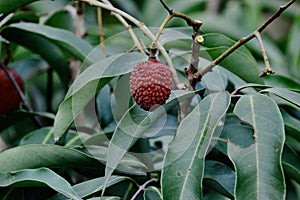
column 9, row 97
column 150, row 83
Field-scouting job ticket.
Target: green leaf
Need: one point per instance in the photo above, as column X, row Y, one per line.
column 121, row 98
column 258, row 167
column 60, row 19
column 212, row 40
column 183, row 169
column 42, row 46
column 288, row 95
column 233, row 125
column 104, row 106
column 129, row 162
column 47, row 155
column 7, row 6
column 12, row 118
column 91, row 186
column 64, row 39
column 38, row 136
column 42, row 176
column 219, row 177
column 152, row 193
column 291, row 164
column 24, row 16
column 238, row 62
column 293, row 51
column 292, row 125
column 281, row 81
column 137, row 123
column 88, row 84
column 44, row 136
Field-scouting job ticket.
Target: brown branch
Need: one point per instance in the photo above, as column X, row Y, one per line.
column 241, row 42
column 191, row 22
column 190, row 83
column 194, row 61
column 144, row 29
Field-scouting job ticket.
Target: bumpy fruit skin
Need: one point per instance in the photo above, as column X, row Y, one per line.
column 150, row 83
column 9, row 98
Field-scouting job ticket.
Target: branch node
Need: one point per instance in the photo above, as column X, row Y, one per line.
column 199, row 39
column 267, row 69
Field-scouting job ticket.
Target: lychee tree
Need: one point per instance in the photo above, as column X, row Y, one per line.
column 149, row 99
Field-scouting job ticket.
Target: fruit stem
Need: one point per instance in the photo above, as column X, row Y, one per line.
column 20, row 93
column 153, row 46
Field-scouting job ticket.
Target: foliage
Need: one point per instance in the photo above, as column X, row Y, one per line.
column 240, row 140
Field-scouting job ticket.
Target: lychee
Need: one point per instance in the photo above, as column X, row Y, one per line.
column 9, row 97
column 150, row 83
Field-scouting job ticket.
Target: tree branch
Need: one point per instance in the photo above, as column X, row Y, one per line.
column 197, row 39
column 129, row 29
column 241, row 42
column 143, row 28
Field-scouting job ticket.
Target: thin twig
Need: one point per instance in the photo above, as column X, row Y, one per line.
column 20, row 93
column 153, row 46
column 144, row 29
column 267, row 69
column 241, row 42
column 136, row 41
column 101, row 34
column 133, row 36
column 189, row 21
column 143, row 187
column 170, row 11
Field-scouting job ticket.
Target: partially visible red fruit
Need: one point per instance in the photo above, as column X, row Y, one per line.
column 150, row 83
column 9, row 98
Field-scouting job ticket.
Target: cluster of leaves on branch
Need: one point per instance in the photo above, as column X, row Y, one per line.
column 229, row 130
